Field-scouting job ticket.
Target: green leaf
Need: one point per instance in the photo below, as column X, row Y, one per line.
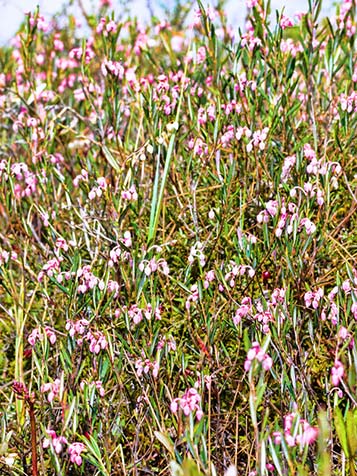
column 176, row 469
column 111, row 160
column 275, row 458
column 166, row 441
column 324, row 457
column 94, row 455
column 341, row 431
column 190, row 468
column 351, row 430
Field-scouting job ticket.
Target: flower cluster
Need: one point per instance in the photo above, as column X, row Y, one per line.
column 257, row 353
column 236, row 271
column 287, row 218
column 152, row 265
column 189, row 402
column 6, row 256
column 196, row 252
column 75, row 450
column 169, row 342
column 55, row 441
column 98, row 385
column 143, row 366
column 97, row 341
column 80, row 330
column 98, row 191
column 312, row 298
column 210, row 276
column 87, row 280
column 337, row 373
column 77, row 327
column 264, row 311
column 193, row 297
column 345, row 19
column 53, row 389
column 130, row 194
column 37, row 334
column 118, row 253
column 137, row 314
column 296, row 432
column 50, row 269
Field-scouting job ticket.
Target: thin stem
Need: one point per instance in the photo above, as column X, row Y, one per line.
column 33, row 438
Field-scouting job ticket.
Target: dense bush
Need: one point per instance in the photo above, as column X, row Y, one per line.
column 178, row 285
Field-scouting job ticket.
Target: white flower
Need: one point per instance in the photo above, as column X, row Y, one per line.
column 231, row 471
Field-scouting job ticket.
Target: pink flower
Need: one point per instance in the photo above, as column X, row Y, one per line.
column 130, row 194
column 346, row 286
column 309, row 434
column 354, row 310
column 243, row 310
column 98, row 385
column 189, row 402
column 51, row 268
column 144, row 366
column 210, row 276
column 51, row 335
column 52, row 388
column 337, row 372
column 77, row 327
column 256, row 352
column 312, row 298
column 56, row 441
column 193, row 297
column 201, row 55
column 343, row 333
column 285, row 22
column 75, row 450
column 267, row 363
column 277, row 437
column 97, row 342
column 296, row 432
column 32, row 338
column 272, row 207
column 309, row 226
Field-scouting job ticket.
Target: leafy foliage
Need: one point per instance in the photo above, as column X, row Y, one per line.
column 178, row 290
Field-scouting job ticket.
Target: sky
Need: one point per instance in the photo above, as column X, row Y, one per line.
column 12, row 11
